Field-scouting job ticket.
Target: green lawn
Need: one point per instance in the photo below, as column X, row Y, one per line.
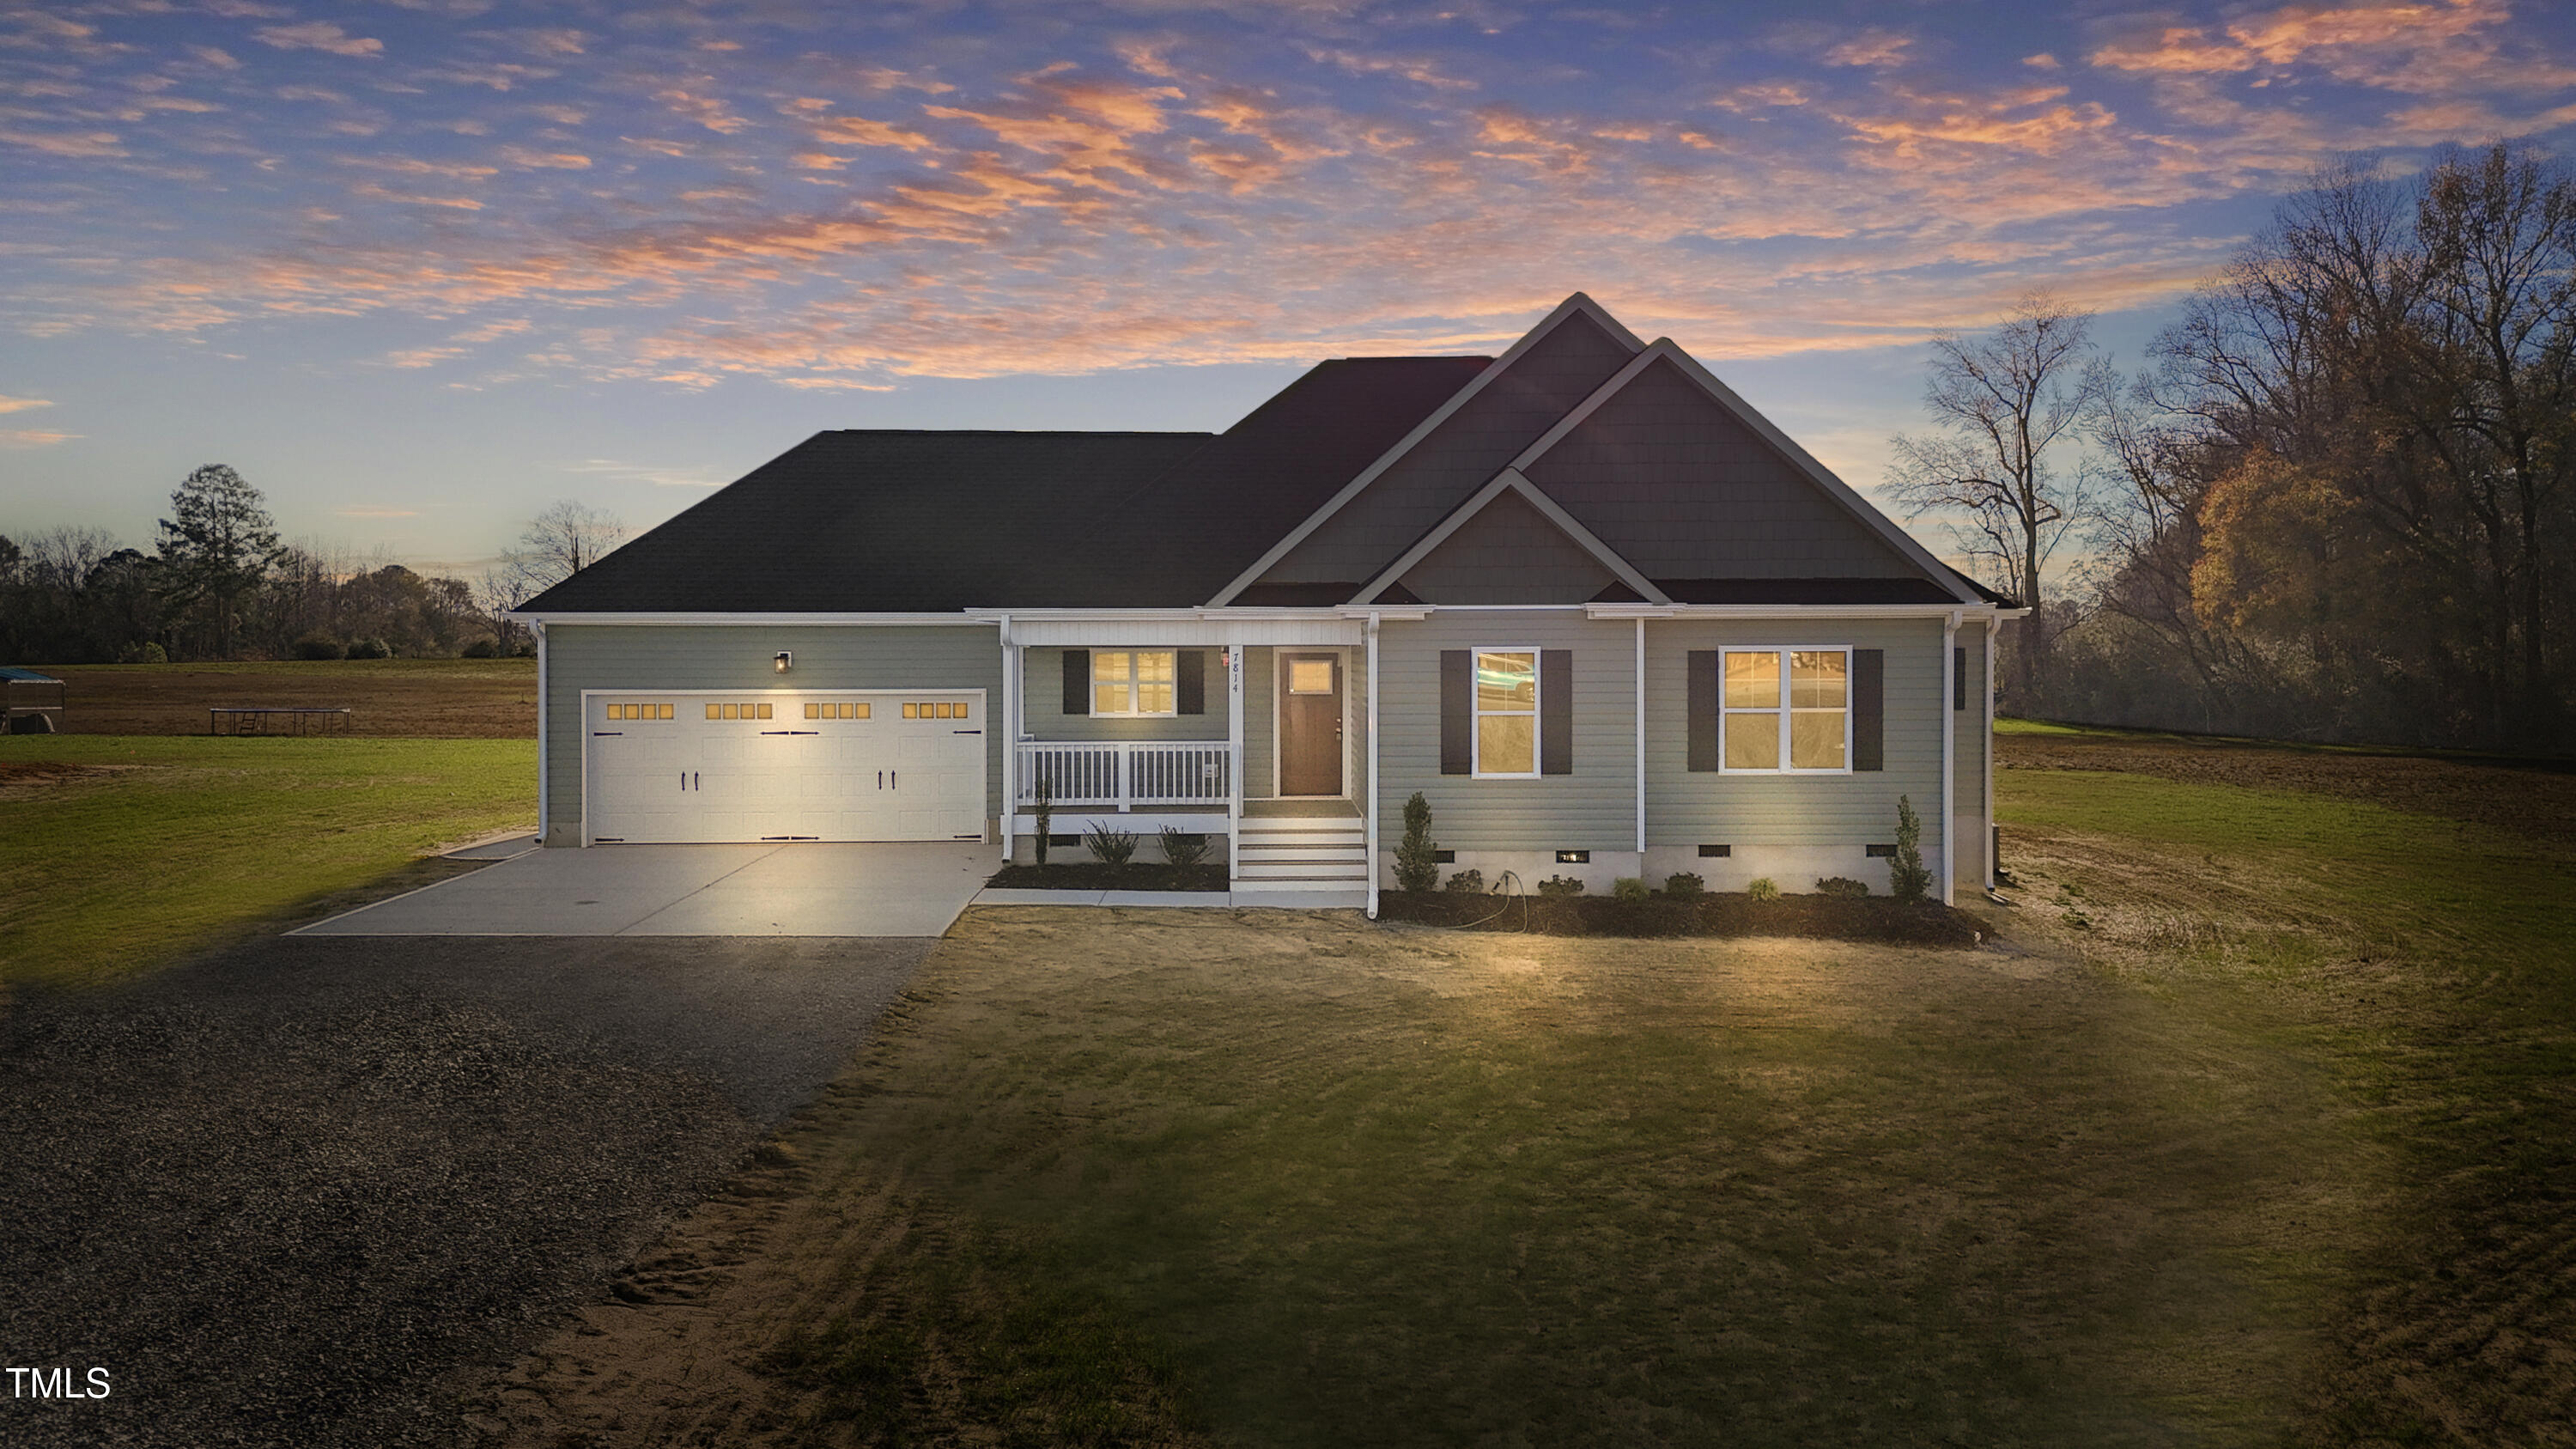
column 179, row 841
column 2266, row 1140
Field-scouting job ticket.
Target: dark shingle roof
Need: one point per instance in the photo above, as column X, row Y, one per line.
column 901, row 522
column 885, row 521
column 1218, row 512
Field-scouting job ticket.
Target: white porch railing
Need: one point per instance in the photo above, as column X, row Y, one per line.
column 1125, row 773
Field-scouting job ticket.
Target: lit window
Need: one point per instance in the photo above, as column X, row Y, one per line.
column 1133, row 681
column 764, row 712
column 1788, row 704
column 715, row 711
column 1310, row 676
column 1507, row 712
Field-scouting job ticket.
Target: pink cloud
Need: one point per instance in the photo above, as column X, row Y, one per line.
column 321, row 35
column 860, row 131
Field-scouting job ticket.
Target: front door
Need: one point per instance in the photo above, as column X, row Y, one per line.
column 1310, row 724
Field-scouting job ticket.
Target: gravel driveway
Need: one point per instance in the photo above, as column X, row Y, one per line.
column 299, row 1191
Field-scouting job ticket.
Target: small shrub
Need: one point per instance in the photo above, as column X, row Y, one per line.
column 1044, row 810
column 483, row 648
column 1840, row 885
column 1466, row 883
column 1560, row 885
column 1907, row 880
column 1113, row 848
column 147, row 652
column 1763, row 890
column 1182, row 848
column 1684, row 883
column 1417, row 859
column 370, row 648
column 1629, row 888
column 318, row 645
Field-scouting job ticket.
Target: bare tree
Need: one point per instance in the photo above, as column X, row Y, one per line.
column 560, row 542
column 2010, row 407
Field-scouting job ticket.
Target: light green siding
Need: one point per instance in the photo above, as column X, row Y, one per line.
column 1042, row 713
column 1594, row 808
column 682, row 658
column 1684, row 807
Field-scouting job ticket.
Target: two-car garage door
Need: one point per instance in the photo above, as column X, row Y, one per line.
column 784, row 765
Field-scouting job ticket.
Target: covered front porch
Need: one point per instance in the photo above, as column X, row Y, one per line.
column 1251, row 732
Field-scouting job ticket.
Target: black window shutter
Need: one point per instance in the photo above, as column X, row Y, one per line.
column 1703, row 709
column 1869, row 709
column 1556, row 711
column 1077, row 681
column 1959, row 677
column 1457, row 712
column 1190, row 671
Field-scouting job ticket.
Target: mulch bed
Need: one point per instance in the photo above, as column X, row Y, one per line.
column 1091, row 875
column 1831, row 918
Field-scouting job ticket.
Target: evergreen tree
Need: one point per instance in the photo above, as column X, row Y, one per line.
column 217, row 549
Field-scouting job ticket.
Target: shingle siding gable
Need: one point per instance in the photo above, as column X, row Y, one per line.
column 1668, row 478
column 1461, row 455
column 1509, row 553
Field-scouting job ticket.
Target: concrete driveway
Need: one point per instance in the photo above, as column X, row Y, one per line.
column 802, row 889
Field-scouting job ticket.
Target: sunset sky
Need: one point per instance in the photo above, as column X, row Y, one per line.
column 418, row 268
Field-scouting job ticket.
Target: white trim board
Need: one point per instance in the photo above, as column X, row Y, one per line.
column 1510, row 480
column 1500, row 365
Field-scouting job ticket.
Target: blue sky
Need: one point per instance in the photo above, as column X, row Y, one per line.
column 420, row 267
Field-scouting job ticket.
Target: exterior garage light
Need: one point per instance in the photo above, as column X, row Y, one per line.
column 786, row 660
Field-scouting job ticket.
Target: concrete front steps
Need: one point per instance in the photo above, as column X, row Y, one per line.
column 1302, row 859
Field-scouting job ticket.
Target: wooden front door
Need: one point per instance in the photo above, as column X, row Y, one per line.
column 1310, row 724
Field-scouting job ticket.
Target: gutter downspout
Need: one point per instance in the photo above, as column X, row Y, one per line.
column 1994, row 626
column 1641, row 745
column 545, row 706
column 1949, row 755
column 1010, row 733
column 1368, row 814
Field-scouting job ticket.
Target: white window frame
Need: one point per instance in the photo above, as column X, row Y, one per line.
column 1784, row 708
column 1134, row 686
column 1476, row 713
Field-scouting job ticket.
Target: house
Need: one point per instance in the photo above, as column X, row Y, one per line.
column 1603, row 615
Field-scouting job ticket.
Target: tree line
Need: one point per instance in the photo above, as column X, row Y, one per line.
column 2335, row 502
column 219, row 584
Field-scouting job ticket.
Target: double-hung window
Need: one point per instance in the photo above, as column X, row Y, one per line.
column 1787, row 709
column 1506, row 712
column 1133, row 682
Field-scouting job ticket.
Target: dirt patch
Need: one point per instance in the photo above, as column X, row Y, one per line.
column 1813, row 917
column 2532, row 798
column 36, row 774
column 416, row 698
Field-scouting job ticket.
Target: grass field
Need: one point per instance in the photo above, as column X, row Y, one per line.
column 388, row 698
column 120, row 852
column 2263, row 1137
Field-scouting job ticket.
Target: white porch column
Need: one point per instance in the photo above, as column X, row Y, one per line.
column 1641, row 745
column 1949, row 755
column 1369, row 802
column 1234, row 752
column 1008, row 728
